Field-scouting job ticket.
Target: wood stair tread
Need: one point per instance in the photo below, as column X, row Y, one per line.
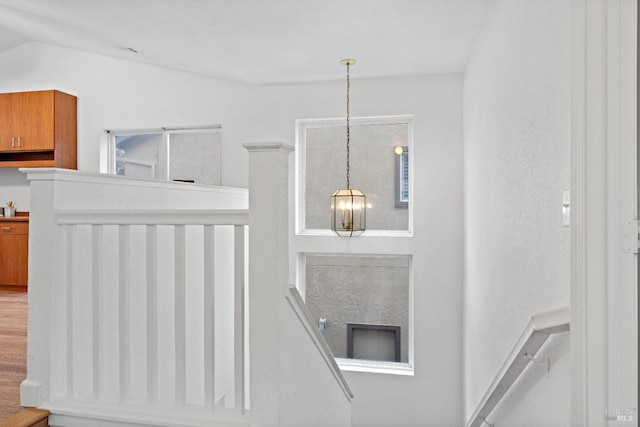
column 28, row 417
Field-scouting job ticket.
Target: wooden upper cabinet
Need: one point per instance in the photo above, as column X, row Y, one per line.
column 38, row 129
column 6, row 121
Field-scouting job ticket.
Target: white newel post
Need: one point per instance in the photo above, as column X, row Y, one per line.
column 268, row 273
column 42, row 271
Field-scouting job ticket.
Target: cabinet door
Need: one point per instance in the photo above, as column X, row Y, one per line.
column 34, row 121
column 14, row 252
column 38, row 129
column 6, row 121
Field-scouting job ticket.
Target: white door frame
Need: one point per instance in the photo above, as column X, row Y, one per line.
column 604, row 300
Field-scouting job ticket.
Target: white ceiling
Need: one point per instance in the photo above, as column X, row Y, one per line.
column 259, row 41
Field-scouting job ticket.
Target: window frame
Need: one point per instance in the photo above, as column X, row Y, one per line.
column 359, row 365
column 162, row 171
column 300, row 171
column 402, row 173
column 112, row 159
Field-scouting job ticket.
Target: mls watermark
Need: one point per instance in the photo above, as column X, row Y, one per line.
column 620, row 414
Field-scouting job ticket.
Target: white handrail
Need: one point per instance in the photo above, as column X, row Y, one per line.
column 535, row 334
column 301, row 310
column 154, row 216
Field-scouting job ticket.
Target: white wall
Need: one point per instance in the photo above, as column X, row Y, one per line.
column 14, row 186
column 116, row 94
column 516, row 165
column 433, row 396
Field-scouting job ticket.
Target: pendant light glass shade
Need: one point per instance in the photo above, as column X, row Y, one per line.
column 348, row 206
column 348, row 212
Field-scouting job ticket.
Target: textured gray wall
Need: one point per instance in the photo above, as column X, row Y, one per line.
column 372, row 165
column 358, row 289
column 196, row 156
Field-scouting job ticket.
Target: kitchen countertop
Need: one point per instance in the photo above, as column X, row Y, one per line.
column 20, row 217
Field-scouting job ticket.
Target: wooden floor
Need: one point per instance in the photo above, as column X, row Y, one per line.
column 13, row 350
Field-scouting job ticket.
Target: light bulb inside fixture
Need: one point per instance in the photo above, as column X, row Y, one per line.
column 348, row 212
column 398, row 150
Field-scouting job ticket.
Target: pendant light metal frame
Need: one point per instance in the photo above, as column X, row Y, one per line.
column 348, row 206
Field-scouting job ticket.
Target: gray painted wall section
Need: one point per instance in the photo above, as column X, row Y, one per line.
column 358, row 289
column 372, row 166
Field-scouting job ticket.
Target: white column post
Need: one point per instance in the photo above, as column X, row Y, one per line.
column 268, row 273
column 603, row 289
column 43, row 271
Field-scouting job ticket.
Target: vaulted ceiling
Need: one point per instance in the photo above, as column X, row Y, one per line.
column 259, row 41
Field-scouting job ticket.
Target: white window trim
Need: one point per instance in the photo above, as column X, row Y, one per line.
column 111, row 144
column 374, row 367
column 300, row 170
column 163, row 161
column 369, row 366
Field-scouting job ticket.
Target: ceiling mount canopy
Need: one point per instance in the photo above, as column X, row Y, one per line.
column 348, row 206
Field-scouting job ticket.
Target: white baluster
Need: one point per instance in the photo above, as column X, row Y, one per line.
column 123, row 311
column 152, row 313
column 238, row 324
column 96, row 309
column 180, row 323
column 209, row 317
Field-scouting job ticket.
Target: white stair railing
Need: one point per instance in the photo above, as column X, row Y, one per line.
column 137, row 298
column 140, row 295
column 143, row 309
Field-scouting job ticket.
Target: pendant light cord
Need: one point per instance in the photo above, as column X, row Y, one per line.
column 348, row 129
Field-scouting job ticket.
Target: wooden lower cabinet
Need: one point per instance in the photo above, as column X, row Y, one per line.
column 14, row 252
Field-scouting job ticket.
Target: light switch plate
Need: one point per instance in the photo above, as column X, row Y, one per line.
column 566, row 208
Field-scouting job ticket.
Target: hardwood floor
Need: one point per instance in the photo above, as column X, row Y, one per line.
column 13, row 350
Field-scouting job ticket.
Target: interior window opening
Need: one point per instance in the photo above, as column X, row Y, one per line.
column 190, row 155
column 363, row 308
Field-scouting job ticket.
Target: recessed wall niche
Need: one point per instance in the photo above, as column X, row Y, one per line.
column 321, row 170
column 362, row 290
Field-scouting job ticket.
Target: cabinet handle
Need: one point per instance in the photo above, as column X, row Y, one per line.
column 13, row 142
column 19, row 141
column 6, row 229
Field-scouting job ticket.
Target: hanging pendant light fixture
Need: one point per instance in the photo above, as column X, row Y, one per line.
column 348, row 206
